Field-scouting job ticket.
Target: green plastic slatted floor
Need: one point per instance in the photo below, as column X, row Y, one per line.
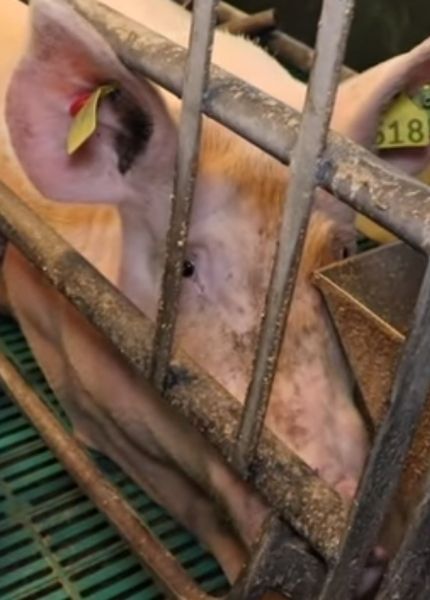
column 54, row 544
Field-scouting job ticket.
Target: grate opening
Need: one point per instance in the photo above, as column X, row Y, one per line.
column 83, row 518
column 53, row 591
column 110, row 582
column 86, row 551
column 29, row 577
column 9, row 443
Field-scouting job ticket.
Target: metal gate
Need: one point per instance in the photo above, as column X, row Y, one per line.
column 342, row 539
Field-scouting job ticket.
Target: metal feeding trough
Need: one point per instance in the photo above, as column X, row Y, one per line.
column 371, row 298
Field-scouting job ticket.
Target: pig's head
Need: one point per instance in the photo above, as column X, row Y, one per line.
column 239, row 193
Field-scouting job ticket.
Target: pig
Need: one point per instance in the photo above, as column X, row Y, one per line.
column 117, row 189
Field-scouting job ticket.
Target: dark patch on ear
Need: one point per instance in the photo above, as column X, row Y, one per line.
column 136, row 128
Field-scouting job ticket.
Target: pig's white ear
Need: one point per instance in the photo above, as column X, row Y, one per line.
column 362, row 99
column 65, row 58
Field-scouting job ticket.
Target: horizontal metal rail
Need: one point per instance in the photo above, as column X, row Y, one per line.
column 150, row 552
column 283, row 479
column 353, row 174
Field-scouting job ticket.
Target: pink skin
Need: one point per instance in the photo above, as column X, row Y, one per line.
column 231, row 243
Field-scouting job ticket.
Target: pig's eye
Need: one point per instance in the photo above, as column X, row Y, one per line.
column 188, row 269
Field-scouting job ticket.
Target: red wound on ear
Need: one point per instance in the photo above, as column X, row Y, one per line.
column 78, row 103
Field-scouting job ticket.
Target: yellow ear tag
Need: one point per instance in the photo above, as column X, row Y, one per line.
column 85, row 120
column 373, row 231
column 403, row 125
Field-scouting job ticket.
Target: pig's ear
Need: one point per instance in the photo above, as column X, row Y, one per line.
column 362, row 99
column 65, row 58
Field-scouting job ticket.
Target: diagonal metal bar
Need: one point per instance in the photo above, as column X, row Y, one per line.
column 409, row 575
column 385, row 464
column 150, row 552
column 280, row 562
column 195, row 82
column 336, row 18
column 283, row 479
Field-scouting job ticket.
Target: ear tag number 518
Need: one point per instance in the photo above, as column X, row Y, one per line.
column 404, row 125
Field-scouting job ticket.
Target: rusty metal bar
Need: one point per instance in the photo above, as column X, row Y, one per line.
column 195, row 82
column 251, row 25
column 150, row 552
column 384, row 469
column 409, row 575
column 283, row 479
column 334, row 26
column 282, row 563
column 350, row 172
column 280, row 44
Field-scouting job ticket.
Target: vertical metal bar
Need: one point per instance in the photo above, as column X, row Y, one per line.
column 194, row 86
column 150, row 551
column 409, row 575
column 280, row 562
column 333, row 31
column 392, row 442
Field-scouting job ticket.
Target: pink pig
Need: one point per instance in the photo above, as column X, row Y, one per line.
column 128, row 164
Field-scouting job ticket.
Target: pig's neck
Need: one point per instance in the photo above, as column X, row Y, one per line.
column 141, row 252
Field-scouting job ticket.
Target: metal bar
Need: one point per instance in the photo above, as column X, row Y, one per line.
column 282, row 478
column 195, row 82
column 280, row 44
column 348, row 171
column 333, row 31
column 251, row 25
column 281, row 563
column 384, row 469
column 150, row 552
column 409, row 575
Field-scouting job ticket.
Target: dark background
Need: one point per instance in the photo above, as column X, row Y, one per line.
column 381, row 28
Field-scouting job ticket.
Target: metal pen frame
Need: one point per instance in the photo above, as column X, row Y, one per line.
column 315, row 544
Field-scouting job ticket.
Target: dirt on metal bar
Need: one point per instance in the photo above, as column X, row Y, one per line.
column 408, row 575
column 350, row 172
column 336, row 18
column 386, row 461
column 280, row 562
column 283, row 479
column 195, row 83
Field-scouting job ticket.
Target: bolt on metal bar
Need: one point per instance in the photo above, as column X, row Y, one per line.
column 315, row 510
column 333, row 31
column 383, row 472
column 348, row 171
column 195, row 82
column 408, row 577
column 150, row 552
